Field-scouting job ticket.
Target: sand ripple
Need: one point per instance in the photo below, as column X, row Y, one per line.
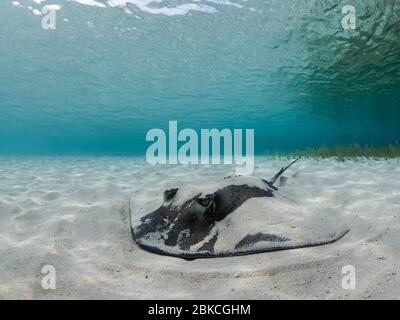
column 73, row 213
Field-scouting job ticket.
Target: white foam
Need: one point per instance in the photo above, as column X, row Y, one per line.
column 157, row 7
column 36, row 12
column 54, row 7
column 147, row 6
column 93, row 3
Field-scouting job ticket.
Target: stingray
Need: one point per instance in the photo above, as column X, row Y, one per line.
column 237, row 215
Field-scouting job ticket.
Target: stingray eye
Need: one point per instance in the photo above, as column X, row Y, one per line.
column 193, row 218
column 169, row 194
column 204, row 201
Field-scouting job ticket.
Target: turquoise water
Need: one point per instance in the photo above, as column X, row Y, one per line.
column 107, row 75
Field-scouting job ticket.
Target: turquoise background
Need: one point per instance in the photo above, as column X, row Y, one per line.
column 287, row 69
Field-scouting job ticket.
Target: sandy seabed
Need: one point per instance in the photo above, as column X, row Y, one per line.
column 72, row 213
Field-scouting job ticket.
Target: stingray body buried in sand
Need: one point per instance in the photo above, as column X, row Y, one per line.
column 238, row 215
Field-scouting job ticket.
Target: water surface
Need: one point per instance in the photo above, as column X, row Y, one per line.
column 113, row 70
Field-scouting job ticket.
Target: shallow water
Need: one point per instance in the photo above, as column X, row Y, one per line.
column 72, row 213
column 107, row 75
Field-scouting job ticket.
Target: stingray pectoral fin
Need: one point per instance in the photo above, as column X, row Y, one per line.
column 251, row 239
column 269, row 224
column 262, row 242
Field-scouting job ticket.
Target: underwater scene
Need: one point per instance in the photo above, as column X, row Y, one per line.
column 112, row 70
column 202, row 149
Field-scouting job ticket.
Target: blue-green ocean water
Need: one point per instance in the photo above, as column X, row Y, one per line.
column 106, row 75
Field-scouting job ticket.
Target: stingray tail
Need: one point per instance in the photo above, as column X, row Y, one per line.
column 276, row 177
